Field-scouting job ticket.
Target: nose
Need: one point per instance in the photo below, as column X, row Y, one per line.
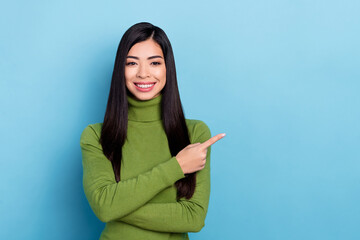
column 143, row 71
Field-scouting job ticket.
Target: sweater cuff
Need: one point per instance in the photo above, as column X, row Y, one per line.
column 174, row 171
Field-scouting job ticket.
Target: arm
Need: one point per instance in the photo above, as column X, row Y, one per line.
column 186, row 215
column 110, row 199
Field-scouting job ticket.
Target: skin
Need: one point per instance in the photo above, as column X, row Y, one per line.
column 193, row 157
column 144, row 69
column 145, row 63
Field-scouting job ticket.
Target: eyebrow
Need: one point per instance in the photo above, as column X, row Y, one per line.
column 156, row 56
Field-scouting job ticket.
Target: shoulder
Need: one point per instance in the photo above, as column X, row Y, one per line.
column 198, row 130
column 91, row 132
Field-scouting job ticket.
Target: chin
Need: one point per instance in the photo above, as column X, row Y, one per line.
column 144, row 97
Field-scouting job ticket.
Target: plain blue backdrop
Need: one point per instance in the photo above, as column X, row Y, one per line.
column 280, row 78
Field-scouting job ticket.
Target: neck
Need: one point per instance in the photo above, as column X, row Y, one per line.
column 144, row 110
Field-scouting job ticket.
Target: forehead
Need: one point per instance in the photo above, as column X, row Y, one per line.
column 145, row 49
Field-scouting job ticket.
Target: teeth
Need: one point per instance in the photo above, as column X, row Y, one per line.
column 145, row 85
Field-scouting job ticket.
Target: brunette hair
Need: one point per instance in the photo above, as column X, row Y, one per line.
column 114, row 129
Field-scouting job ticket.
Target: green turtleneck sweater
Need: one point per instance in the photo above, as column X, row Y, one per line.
column 142, row 205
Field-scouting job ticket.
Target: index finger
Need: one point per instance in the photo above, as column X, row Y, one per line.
column 212, row 140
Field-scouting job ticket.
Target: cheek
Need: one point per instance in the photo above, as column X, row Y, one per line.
column 129, row 74
column 161, row 73
column 128, row 78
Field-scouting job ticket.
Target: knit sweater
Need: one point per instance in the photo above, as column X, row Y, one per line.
column 143, row 205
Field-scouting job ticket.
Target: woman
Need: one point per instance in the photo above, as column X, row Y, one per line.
column 146, row 169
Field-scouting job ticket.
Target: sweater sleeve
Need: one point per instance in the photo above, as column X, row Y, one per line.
column 185, row 215
column 111, row 200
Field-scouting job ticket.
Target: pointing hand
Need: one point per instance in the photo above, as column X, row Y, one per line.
column 193, row 157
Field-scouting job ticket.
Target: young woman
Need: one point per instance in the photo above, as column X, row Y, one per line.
column 146, row 169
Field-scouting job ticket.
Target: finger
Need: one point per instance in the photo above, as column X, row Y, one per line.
column 213, row 140
column 203, row 163
column 193, row 144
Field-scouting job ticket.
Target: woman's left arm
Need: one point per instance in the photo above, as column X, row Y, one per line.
column 185, row 215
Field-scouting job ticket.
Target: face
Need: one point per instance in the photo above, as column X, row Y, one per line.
column 145, row 71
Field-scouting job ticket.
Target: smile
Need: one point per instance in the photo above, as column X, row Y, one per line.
column 144, row 87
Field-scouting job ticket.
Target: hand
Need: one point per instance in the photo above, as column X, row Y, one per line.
column 193, row 157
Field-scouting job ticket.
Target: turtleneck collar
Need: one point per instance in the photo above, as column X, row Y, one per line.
column 144, row 110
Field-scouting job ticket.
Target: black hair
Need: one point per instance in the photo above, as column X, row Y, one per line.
column 114, row 127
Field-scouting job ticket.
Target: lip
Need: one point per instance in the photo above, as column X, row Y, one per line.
column 144, row 82
column 144, row 89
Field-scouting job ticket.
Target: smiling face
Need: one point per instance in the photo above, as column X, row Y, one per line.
column 145, row 70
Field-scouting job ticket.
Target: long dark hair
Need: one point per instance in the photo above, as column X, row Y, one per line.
column 114, row 129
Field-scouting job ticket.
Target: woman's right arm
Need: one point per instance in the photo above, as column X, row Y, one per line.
column 112, row 200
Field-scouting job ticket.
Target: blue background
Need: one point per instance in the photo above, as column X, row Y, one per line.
column 280, row 78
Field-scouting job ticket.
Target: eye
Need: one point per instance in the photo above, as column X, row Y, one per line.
column 156, row 63
column 130, row 63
